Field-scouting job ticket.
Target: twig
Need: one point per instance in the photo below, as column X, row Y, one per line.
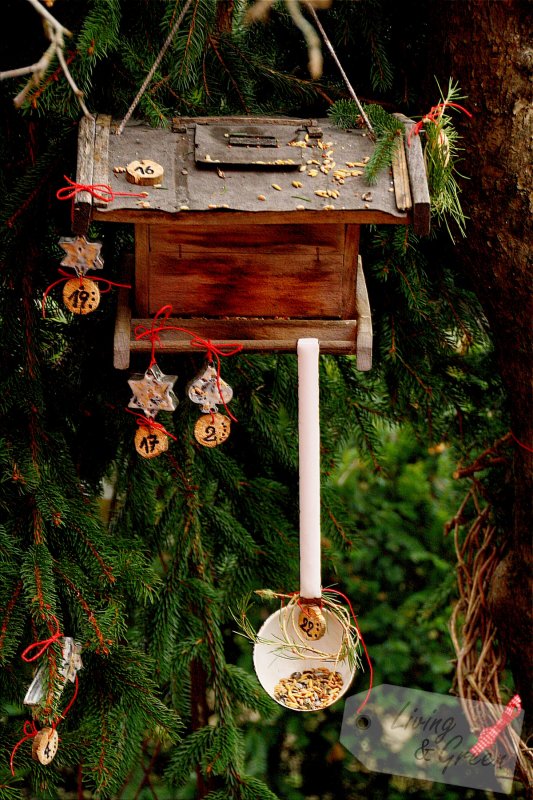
column 55, row 33
column 155, row 65
column 342, row 72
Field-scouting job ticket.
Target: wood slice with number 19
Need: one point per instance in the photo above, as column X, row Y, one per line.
column 145, row 172
column 44, row 746
column 212, row 429
column 312, row 622
column 81, row 295
column 150, row 442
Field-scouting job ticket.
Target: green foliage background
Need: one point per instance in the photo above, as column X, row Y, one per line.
column 168, row 702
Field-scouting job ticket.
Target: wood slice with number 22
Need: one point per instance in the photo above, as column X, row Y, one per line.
column 212, row 429
column 150, row 442
column 44, row 746
column 81, row 295
column 312, row 622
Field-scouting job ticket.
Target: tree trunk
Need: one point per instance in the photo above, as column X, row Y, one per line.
column 486, row 48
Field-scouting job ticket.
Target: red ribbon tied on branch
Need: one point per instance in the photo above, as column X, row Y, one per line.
column 29, row 729
column 44, row 644
column 434, row 115
column 488, row 736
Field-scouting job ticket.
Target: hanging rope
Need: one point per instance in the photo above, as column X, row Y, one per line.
column 342, row 72
column 155, row 65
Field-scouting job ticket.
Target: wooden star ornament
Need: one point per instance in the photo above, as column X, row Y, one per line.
column 81, row 254
column 152, row 392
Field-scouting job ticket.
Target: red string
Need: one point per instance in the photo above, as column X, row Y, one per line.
column 488, row 736
column 150, row 423
column 100, row 191
column 68, row 276
column 434, row 116
column 29, row 732
column 43, row 645
column 365, row 701
column 521, row 444
column 219, row 350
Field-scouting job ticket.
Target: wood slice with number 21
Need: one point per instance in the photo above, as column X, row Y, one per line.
column 81, row 295
column 212, row 429
column 44, row 746
column 150, row 442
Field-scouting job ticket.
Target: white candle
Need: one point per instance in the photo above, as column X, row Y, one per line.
column 309, row 467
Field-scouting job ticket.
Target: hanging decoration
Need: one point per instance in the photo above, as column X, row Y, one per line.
column 306, row 653
column 208, row 389
column 153, row 391
column 46, row 739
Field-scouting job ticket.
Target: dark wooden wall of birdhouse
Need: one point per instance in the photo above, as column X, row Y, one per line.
column 247, row 270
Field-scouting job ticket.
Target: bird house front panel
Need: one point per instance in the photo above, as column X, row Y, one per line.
column 247, row 270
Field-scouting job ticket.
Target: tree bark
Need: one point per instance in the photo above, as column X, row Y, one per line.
column 486, row 47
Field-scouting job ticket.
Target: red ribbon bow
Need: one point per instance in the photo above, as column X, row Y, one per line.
column 488, row 736
column 434, row 116
column 216, row 350
column 100, row 191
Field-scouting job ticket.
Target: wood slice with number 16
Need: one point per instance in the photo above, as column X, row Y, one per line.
column 212, row 429
column 150, row 442
column 44, row 746
column 145, row 172
column 81, row 295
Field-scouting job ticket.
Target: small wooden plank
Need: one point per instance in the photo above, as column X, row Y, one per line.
column 121, row 340
column 234, row 238
column 101, row 153
column 254, row 335
column 84, row 175
column 242, row 284
column 142, row 269
column 178, row 122
column 364, row 322
column 349, row 272
column 417, row 179
column 400, row 174
column 228, row 217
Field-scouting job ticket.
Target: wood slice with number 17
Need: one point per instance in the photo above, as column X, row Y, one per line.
column 212, row 429
column 150, row 442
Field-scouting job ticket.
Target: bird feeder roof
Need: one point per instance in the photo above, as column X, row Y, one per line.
column 305, row 170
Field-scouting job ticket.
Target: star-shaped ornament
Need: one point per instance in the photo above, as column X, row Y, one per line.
column 152, row 392
column 81, row 254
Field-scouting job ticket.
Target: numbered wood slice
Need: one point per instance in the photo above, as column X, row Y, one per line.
column 81, row 295
column 150, row 442
column 44, row 745
column 312, row 622
column 212, row 429
column 145, row 172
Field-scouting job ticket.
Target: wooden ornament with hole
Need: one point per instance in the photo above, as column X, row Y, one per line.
column 81, row 295
column 212, row 429
column 150, row 442
column 44, row 746
column 145, row 172
column 312, row 622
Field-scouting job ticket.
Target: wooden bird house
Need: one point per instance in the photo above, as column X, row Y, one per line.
column 249, row 227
